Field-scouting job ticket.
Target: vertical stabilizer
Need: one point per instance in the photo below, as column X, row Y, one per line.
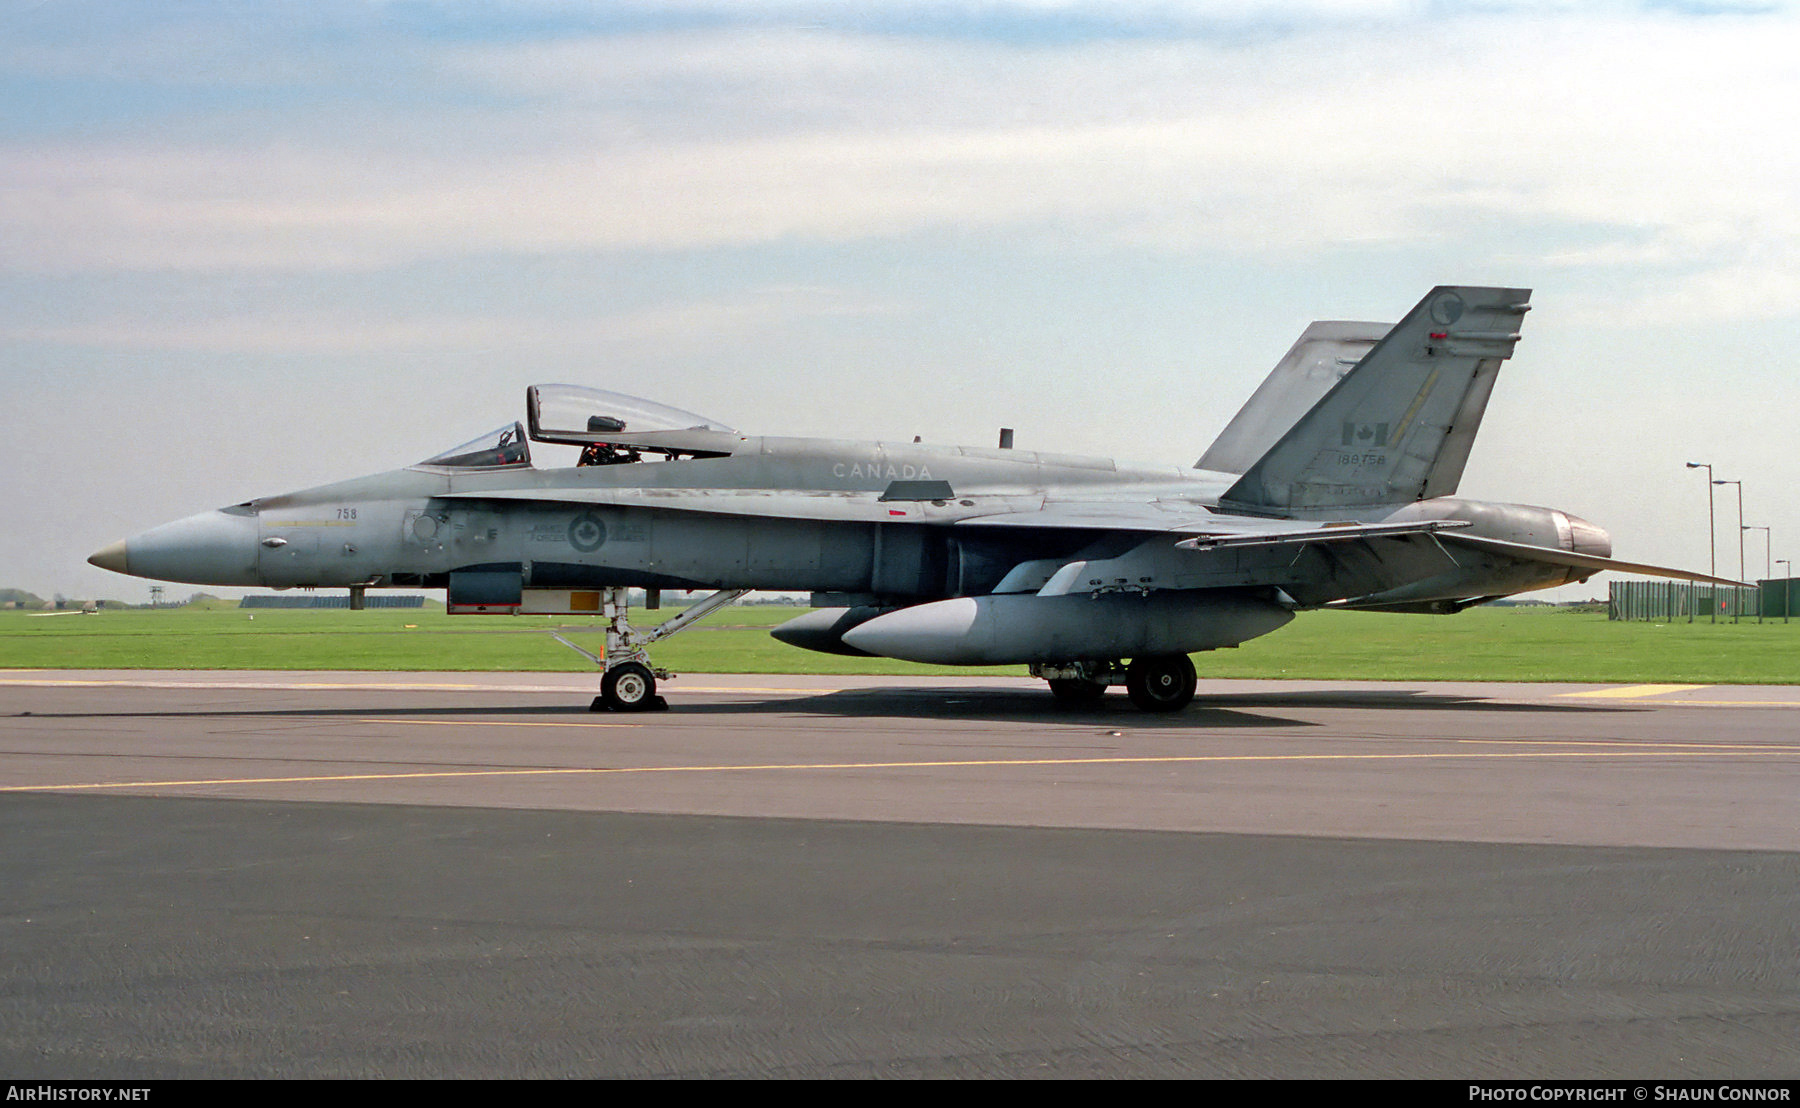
column 1325, row 351
column 1399, row 426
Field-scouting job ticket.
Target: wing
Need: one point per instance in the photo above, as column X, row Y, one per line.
column 1527, row 553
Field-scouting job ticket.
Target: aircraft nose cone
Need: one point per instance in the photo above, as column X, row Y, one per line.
column 212, row 548
column 110, row 556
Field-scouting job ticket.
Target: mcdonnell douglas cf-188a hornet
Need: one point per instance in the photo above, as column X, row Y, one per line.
column 1331, row 488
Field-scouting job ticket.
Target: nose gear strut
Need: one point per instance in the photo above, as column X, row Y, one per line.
column 628, row 680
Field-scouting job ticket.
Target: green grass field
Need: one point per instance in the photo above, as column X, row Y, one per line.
column 1483, row 644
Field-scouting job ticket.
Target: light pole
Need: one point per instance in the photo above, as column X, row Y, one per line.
column 1767, row 572
column 1787, row 582
column 1737, row 593
column 1712, row 545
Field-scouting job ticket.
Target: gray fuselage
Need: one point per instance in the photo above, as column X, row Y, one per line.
column 809, row 515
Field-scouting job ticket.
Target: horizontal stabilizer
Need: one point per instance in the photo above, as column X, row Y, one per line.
column 1528, row 553
column 1324, row 532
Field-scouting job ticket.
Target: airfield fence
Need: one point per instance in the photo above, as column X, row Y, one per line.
column 1688, row 601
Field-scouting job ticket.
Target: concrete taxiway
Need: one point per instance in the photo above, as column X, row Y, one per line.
column 471, row 875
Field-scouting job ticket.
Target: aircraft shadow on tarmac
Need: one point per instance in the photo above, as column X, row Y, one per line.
column 1034, row 706
column 937, row 705
column 945, row 704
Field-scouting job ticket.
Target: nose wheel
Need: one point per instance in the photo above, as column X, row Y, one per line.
column 629, row 687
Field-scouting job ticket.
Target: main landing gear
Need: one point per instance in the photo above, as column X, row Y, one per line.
column 1155, row 682
column 629, row 681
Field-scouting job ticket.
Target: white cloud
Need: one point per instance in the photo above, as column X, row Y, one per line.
column 665, row 328
column 1578, row 141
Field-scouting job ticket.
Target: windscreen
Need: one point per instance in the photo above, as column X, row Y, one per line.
column 503, row 446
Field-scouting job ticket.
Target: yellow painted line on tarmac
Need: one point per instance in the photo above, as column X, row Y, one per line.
column 750, row 688
column 298, row 686
column 1732, row 703
column 1626, row 743
column 370, row 686
column 1633, row 691
column 492, row 723
column 318, row 779
column 977, row 763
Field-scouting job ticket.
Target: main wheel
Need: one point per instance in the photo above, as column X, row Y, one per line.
column 1161, row 682
column 1073, row 690
column 630, row 687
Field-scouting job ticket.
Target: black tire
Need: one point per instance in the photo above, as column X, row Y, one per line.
column 1161, row 682
column 1075, row 691
column 630, row 687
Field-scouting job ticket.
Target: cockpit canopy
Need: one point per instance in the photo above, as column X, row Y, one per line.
column 588, row 417
column 612, row 426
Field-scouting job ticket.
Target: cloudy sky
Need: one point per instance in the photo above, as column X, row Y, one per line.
column 249, row 247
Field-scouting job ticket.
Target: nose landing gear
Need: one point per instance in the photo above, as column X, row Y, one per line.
column 628, row 683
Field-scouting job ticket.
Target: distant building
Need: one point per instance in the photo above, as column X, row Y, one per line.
column 313, row 600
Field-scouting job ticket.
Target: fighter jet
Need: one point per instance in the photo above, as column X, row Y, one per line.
column 1331, row 489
